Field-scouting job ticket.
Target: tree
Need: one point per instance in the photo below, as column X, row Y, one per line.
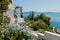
column 39, row 25
column 31, row 16
column 3, row 8
column 36, row 18
column 45, row 18
column 3, row 5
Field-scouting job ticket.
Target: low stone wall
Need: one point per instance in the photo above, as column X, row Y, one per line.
column 49, row 36
column 40, row 36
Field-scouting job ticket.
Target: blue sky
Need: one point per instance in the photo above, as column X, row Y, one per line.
column 39, row 5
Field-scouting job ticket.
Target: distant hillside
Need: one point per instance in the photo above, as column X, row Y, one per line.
column 25, row 14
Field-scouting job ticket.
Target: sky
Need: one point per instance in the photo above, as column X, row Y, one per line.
column 39, row 5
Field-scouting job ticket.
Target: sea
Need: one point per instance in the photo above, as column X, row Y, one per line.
column 55, row 17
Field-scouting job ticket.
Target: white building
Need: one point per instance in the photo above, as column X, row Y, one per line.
column 48, row 36
column 11, row 11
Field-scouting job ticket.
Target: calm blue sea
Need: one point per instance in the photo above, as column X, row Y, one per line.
column 55, row 17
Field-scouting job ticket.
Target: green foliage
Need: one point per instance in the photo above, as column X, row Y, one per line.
column 3, row 5
column 46, row 19
column 41, row 30
column 3, row 8
column 31, row 16
column 4, row 20
column 39, row 22
column 36, row 17
column 43, row 17
column 1, row 16
column 9, row 32
column 21, row 15
column 1, row 38
column 12, row 33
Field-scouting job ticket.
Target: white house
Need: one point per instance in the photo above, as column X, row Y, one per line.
column 11, row 11
column 48, row 36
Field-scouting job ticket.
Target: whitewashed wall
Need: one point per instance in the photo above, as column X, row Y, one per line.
column 20, row 20
column 40, row 36
column 48, row 36
column 51, row 36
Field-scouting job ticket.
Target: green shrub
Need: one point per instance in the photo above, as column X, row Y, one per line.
column 41, row 30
